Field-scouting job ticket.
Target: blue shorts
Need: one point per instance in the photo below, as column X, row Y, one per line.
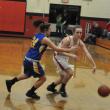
column 33, row 69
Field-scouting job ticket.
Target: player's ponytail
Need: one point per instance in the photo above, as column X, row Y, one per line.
column 44, row 27
column 37, row 23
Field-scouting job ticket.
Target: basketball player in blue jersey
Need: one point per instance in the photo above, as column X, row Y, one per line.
column 32, row 60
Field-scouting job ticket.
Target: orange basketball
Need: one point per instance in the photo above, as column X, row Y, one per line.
column 103, row 90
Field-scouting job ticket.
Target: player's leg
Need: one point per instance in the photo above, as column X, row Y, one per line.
column 41, row 74
column 10, row 83
column 52, row 86
column 68, row 74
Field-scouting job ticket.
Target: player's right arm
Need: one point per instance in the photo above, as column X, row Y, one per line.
column 70, row 55
column 48, row 42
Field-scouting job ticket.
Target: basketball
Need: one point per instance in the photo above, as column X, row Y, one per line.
column 103, row 90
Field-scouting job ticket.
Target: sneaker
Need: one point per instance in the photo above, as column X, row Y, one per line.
column 9, row 85
column 63, row 93
column 51, row 89
column 32, row 95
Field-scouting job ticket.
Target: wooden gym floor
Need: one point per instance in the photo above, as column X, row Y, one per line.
column 82, row 90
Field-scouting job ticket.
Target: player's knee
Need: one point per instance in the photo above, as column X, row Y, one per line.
column 64, row 75
column 70, row 74
column 43, row 78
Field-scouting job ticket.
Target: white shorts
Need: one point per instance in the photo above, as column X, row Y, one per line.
column 62, row 64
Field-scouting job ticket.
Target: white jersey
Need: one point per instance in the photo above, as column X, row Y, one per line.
column 72, row 43
column 61, row 60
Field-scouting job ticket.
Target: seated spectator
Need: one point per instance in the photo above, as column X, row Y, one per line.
column 94, row 33
column 106, row 31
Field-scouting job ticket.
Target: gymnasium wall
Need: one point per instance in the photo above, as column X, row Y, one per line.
column 30, row 17
column 89, row 8
column 94, row 10
column 12, row 16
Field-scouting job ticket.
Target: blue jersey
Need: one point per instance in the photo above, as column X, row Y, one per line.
column 37, row 49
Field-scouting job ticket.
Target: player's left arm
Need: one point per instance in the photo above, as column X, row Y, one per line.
column 82, row 45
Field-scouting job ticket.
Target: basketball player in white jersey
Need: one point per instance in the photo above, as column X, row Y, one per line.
column 61, row 61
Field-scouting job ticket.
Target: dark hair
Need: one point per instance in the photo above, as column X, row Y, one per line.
column 37, row 23
column 76, row 26
column 69, row 32
column 44, row 27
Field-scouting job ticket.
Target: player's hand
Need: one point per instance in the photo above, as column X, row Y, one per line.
column 75, row 57
column 94, row 69
column 73, row 48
